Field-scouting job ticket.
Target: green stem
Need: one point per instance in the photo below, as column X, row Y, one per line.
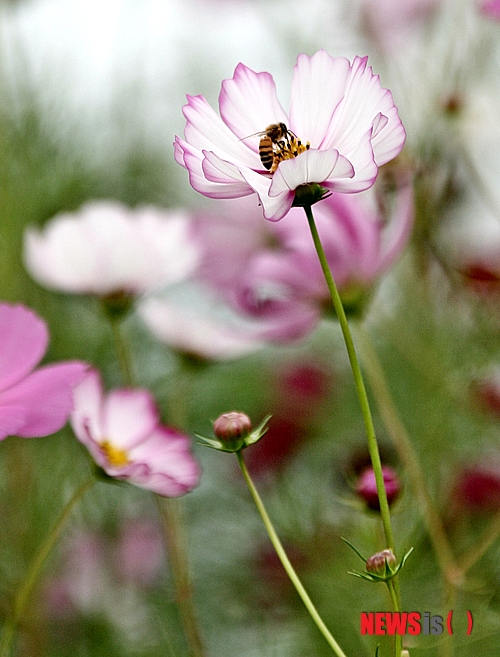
column 398, row 642
column 22, row 597
column 122, row 351
column 358, row 380
column 172, row 515
column 286, row 562
column 172, row 521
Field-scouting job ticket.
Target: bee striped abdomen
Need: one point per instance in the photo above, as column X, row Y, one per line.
column 266, row 152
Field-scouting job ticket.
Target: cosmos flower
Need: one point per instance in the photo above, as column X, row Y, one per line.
column 275, row 276
column 106, row 248
column 197, row 332
column 342, row 126
column 124, row 437
column 33, row 403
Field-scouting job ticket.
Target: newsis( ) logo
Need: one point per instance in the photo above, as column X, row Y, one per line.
column 408, row 622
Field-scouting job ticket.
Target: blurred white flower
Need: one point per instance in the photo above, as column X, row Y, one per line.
column 203, row 332
column 106, row 248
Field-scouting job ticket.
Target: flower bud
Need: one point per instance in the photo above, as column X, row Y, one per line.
column 367, row 486
column 381, row 564
column 232, row 428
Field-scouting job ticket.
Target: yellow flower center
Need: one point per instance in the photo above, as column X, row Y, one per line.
column 287, row 148
column 116, row 457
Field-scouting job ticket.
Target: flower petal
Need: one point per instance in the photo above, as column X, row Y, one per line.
column 398, row 230
column 129, row 417
column 12, row 418
column 365, row 169
column 284, row 317
column 359, row 111
column 319, row 84
column 205, row 130
column 194, row 163
column 221, row 171
column 172, row 469
column 350, row 233
column 23, row 341
column 193, row 331
column 312, row 166
column 87, row 418
column 46, row 395
column 274, row 207
column 248, row 103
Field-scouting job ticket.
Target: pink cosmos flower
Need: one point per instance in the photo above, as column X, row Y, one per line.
column 343, row 125
column 33, row 403
column 491, row 9
column 274, row 273
column 106, row 248
column 124, row 437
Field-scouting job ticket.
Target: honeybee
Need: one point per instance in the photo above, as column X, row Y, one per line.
column 274, row 139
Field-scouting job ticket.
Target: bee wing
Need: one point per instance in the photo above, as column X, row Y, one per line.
column 255, row 134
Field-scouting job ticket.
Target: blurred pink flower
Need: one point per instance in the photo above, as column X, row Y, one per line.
column 302, row 386
column 32, row 403
column 274, row 451
column 337, row 107
column 139, row 557
column 273, row 271
column 366, row 486
column 97, row 570
column 106, row 248
column 297, row 392
column 491, row 9
column 477, row 489
column 390, row 22
column 81, row 580
column 124, row 437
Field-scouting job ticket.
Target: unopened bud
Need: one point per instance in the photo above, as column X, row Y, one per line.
column 367, row 487
column 233, row 432
column 382, row 564
column 232, row 428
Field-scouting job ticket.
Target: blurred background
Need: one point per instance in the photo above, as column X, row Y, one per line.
column 90, row 102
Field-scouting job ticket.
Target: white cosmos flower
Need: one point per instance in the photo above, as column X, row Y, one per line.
column 106, row 247
column 200, row 329
column 346, row 123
